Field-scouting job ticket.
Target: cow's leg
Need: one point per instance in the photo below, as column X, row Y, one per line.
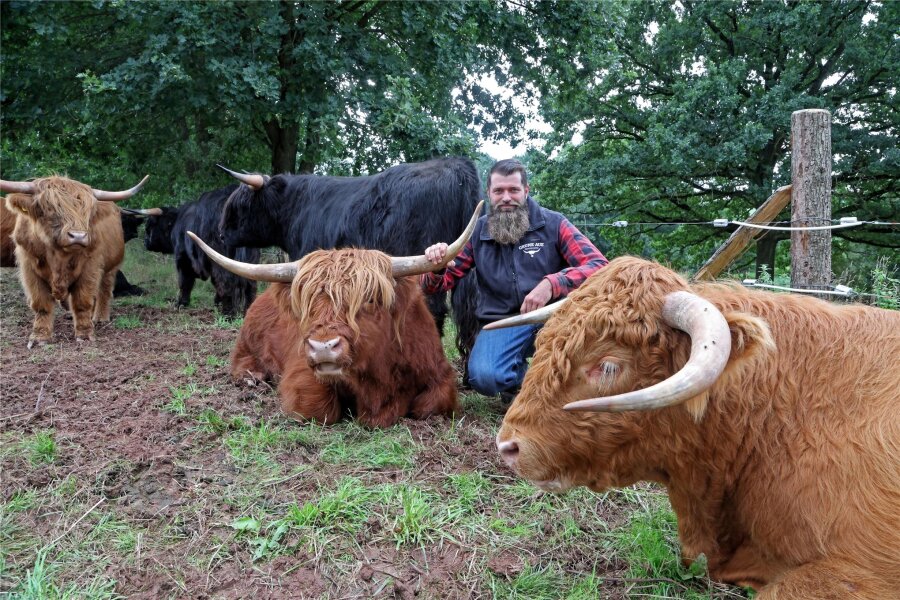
column 42, row 304
column 303, row 397
column 245, row 366
column 104, row 296
column 81, row 301
column 225, row 291
column 747, row 566
column 829, row 579
column 186, row 279
column 374, row 408
column 124, row 288
column 439, row 398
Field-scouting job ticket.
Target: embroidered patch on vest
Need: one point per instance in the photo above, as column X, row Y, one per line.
column 531, row 248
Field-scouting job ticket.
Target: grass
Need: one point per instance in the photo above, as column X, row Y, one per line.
column 40, row 448
column 127, row 322
column 356, row 446
column 417, row 523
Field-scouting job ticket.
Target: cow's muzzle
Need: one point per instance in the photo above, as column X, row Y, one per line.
column 76, row 238
column 326, row 357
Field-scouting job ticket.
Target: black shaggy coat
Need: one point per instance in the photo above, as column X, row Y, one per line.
column 167, row 234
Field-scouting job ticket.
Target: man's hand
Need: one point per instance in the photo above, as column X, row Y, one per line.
column 436, row 253
column 538, row 297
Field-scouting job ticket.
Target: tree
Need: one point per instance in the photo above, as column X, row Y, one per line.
column 684, row 110
column 346, row 86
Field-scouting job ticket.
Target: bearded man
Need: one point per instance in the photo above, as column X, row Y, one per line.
column 526, row 256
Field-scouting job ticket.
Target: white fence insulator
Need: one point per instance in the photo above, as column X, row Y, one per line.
column 720, row 222
column 620, row 224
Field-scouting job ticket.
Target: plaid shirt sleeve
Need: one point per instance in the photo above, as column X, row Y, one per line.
column 445, row 279
column 581, row 254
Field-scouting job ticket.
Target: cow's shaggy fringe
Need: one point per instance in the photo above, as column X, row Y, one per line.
column 350, row 278
column 391, row 363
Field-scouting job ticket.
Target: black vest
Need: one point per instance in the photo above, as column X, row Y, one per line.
column 508, row 272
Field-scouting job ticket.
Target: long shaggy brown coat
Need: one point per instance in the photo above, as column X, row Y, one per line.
column 785, row 473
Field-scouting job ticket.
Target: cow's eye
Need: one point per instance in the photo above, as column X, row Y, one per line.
column 604, row 373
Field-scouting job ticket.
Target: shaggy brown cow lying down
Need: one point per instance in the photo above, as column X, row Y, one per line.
column 377, row 383
column 352, row 331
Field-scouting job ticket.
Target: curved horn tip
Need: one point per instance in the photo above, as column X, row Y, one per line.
column 404, row 266
column 254, row 181
column 535, row 317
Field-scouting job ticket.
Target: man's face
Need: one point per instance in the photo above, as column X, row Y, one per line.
column 507, row 192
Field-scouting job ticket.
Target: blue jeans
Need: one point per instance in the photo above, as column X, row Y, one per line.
column 499, row 358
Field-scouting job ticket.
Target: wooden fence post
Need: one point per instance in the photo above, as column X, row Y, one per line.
column 811, row 198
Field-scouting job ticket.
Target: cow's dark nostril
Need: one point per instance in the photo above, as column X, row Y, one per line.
column 509, row 451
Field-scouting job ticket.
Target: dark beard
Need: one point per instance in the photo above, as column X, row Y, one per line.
column 508, row 227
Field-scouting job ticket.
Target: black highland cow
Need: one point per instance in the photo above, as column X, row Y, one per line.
column 166, row 234
column 131, row 221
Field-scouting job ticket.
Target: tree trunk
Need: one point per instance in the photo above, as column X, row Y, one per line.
column 311, row 148
column 765, row 254
column 283, row 141
column 283, row 135
column 811, row 198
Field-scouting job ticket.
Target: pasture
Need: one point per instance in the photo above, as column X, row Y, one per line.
column 134, row 467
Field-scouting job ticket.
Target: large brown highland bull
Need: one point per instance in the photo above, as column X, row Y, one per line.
column 68, row 245
column 773, row 421
column 352, row 332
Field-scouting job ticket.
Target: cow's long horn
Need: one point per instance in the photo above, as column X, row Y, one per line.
column 116, row 196
column 253, row 180
column 538, row 315
column 17, row 187
column 401, row 266
column 143, row 212
column 710, row 349
column 283, row 272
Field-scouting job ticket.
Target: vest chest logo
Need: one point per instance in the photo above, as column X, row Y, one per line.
column 531, row 248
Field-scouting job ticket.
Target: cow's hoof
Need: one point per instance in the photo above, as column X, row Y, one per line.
column 39, row 342
column 84, row 339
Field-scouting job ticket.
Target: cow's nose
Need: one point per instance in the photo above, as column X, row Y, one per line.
column 78, row 237
column 324, row 351
column 509, row 452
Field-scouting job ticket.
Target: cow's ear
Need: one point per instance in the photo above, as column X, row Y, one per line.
column 23, row 203
column 751, row 339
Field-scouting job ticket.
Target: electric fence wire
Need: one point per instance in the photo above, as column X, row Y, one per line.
column 841, row 223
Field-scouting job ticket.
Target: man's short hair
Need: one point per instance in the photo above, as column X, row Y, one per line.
column 508, row 167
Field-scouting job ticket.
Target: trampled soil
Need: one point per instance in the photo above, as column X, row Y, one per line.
column 127, row 461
